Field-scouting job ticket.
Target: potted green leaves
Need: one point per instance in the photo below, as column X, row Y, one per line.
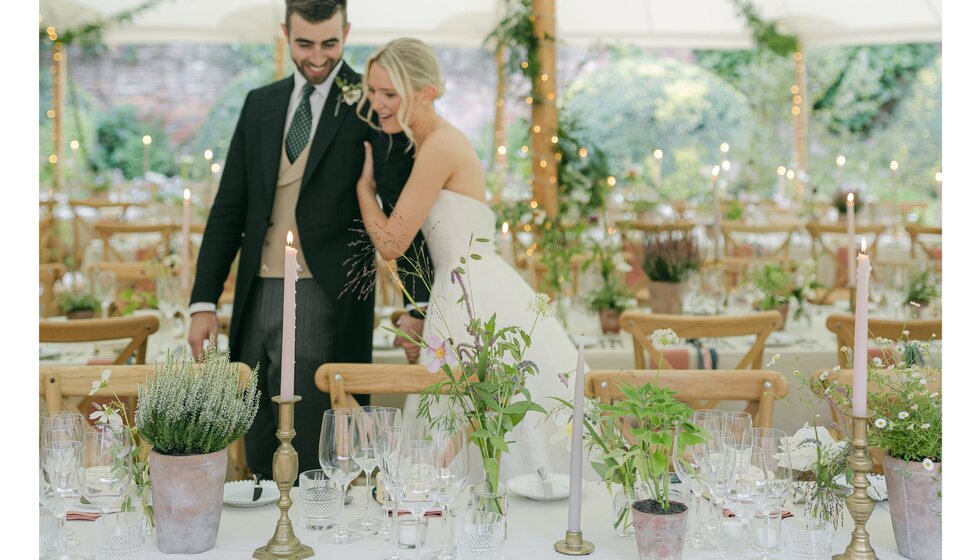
column 611, row 298
column 667, row 261
column 79, row 305
column 780, row 285
column 921, row 290
column 190, row 413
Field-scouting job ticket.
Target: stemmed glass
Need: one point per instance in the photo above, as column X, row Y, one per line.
column 736, row 423
column 61, row 479
column 716, row 467
column 687, row 468
column 365, row 454
column 392, row 455
column 748, row 494
column 421, row 484
column 775, row 447
column 107, row 465
column 452, row 469
column 104, row 288
column 337, row 445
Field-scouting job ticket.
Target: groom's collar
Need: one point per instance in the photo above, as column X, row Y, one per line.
column 322, row 89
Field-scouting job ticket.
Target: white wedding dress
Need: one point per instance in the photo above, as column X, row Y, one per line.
column 495, row 287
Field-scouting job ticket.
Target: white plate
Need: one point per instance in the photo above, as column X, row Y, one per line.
column 529, row 486
column 239, row 493
column 780, row 339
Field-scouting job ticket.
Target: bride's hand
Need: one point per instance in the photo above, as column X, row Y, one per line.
column 366, row 183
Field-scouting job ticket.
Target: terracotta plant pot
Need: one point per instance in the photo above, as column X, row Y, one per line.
column 665, row 297
column 187, row 496
column 84, row 314
column 609, row 321
column 659, row 536
column 915, row 507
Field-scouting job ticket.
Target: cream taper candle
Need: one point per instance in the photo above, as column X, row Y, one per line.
column 859, row 400
column 290, row 273
column 575, row 469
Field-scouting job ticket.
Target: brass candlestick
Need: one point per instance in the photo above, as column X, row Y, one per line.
column 573, row 545
column 859, row 504
column 285, row 468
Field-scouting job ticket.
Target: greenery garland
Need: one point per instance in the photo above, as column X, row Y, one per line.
column 764, row 33
column 90, row 34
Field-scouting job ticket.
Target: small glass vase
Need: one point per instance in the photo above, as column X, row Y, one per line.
column 622, row 502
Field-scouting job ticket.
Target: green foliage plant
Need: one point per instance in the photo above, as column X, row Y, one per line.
column 186, row 408
column 611, row 294
column 781, row 284
column 78, row 301
column 921, row 289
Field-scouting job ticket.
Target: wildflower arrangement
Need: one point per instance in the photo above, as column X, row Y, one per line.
column 192, row 409
column 612, row 294
column 671, row 259
column 780, row 285
column 823, row 461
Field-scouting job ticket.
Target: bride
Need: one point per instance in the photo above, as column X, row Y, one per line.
column 444, row 198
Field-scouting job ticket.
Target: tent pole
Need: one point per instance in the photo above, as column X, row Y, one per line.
column 499, row 132
column 800, row 112
column 59, row 58
column 544, row 113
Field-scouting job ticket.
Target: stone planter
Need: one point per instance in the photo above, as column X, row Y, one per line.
column 665, row 297
column 659, row 536
column 187, row 496
column 915, row 507
column 609, row 321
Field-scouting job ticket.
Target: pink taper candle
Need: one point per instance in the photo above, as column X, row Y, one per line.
column 575, row 470
column 185, row 247
column 850, row 240
column 290, row 273
column 859, row 406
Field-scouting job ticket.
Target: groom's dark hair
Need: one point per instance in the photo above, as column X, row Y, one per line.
column 315, row 11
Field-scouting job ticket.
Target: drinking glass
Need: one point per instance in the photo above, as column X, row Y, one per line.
column 104, row 288
column 708, row 419
column 421, row 483
column 365, row 440
column 736, row 423
column 320, row 500
column 775, row 447
column 748, row 494
column 452, row 464
column 808, row 538
column 384, row 417
column 107, row 465
column 120, row 536
column 337, row 460
column 687, row 469
column 716, row 467
column 480, row 535
column 392, row 457
column 61, row 481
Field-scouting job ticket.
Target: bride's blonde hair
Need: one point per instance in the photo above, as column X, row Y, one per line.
column 411, row 66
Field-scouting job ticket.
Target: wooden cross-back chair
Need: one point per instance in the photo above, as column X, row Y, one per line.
column 737, row 234
column 646, row 354
column 821, row 245
column 343, row 381
column 48, row 275
column 62, row 386
column 136, row 276
column 136, row 328
column 680, row 226
column 83, row 227
column 106, row 231
column 892, row 329
column 929, row 239
column 758, row 388
column 47, row 235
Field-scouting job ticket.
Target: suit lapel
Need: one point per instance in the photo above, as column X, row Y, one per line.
column 329, row 123
column 274, row 122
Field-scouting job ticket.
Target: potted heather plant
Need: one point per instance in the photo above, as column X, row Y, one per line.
column 189, row 413
column 667, row 261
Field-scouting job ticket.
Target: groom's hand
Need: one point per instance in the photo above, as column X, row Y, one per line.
column 413, row 327
column 366, row 183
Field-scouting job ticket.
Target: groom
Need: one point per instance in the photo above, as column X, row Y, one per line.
column 292, row 166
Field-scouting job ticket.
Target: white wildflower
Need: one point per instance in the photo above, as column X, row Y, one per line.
column 101, row 383
column 905, row 333
column 927, row 464
column 903, row 415
column 836, row 368
column 877, row 361
column 665, row 337
column 914, row 407
column 773, row 360
column 933, row 395
column 541, row 305
column 922, row 381
column 881, row 423
column 926, row 426
column 824, row 375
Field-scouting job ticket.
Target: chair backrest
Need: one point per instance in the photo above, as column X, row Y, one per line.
column 343, row 381
column 758, row 387
column 136, row 276
column 929, row 239
column 655, row 228
column 48, row 275
column 821, row 245
column 892, row 329
column 106, row 231
column 642, row 325
column 136, row 328
column 737, row 234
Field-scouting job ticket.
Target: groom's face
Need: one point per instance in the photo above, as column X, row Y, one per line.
column 316, row 48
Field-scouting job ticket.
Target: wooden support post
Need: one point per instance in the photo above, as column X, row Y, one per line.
column 544, row 113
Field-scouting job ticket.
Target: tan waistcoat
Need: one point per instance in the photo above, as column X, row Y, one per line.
column 283, row 218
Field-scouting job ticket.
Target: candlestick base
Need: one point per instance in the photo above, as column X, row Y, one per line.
column 285, row 467
column 573, row 545
column 859, row 503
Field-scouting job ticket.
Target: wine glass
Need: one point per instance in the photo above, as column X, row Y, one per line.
column 775, row 447
column 107, row 465
column 337, row 461
column 61, row 480
column 748, row 494
column 715, row 461
column 421, row 484
column 365, row 437
column 104, row 288
column 392, row 455
column 452, row 464
column 736, row 423
column 688, row 471
column 384, row 417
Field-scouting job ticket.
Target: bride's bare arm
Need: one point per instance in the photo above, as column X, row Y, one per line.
column 433, row 168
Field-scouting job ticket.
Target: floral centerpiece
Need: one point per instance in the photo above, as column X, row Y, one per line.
column 781, row 285
column 822, row 460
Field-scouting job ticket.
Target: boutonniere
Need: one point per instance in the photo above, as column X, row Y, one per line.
column 350, row 93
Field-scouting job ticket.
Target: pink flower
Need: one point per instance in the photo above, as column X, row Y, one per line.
column 563, row 377
column 440, row 353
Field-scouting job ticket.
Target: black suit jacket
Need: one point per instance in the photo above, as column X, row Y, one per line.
column 327, row 212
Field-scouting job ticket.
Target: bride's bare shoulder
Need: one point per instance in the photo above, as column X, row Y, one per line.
column 448, row 139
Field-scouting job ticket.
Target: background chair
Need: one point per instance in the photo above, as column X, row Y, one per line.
column 48, row 275
column 343, row 381
column 822, row 245
column 159, row 249
column 136, row 328
column 892, row 329
column 759, row 388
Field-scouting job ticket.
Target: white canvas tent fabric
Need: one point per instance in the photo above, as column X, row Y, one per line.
column 712, row 24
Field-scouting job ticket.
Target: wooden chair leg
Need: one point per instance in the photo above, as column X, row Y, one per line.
column 236, row 460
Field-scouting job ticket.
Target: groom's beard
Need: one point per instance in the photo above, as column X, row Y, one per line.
column 320, row 77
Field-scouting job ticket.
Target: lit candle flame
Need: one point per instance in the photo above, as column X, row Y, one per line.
column 505, row 227
column 289, row 238
column 715, row 171
column 864, row 245
column 187, row 194
column 850, row 198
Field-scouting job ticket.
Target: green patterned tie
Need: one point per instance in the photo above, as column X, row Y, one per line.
column 299, row 129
